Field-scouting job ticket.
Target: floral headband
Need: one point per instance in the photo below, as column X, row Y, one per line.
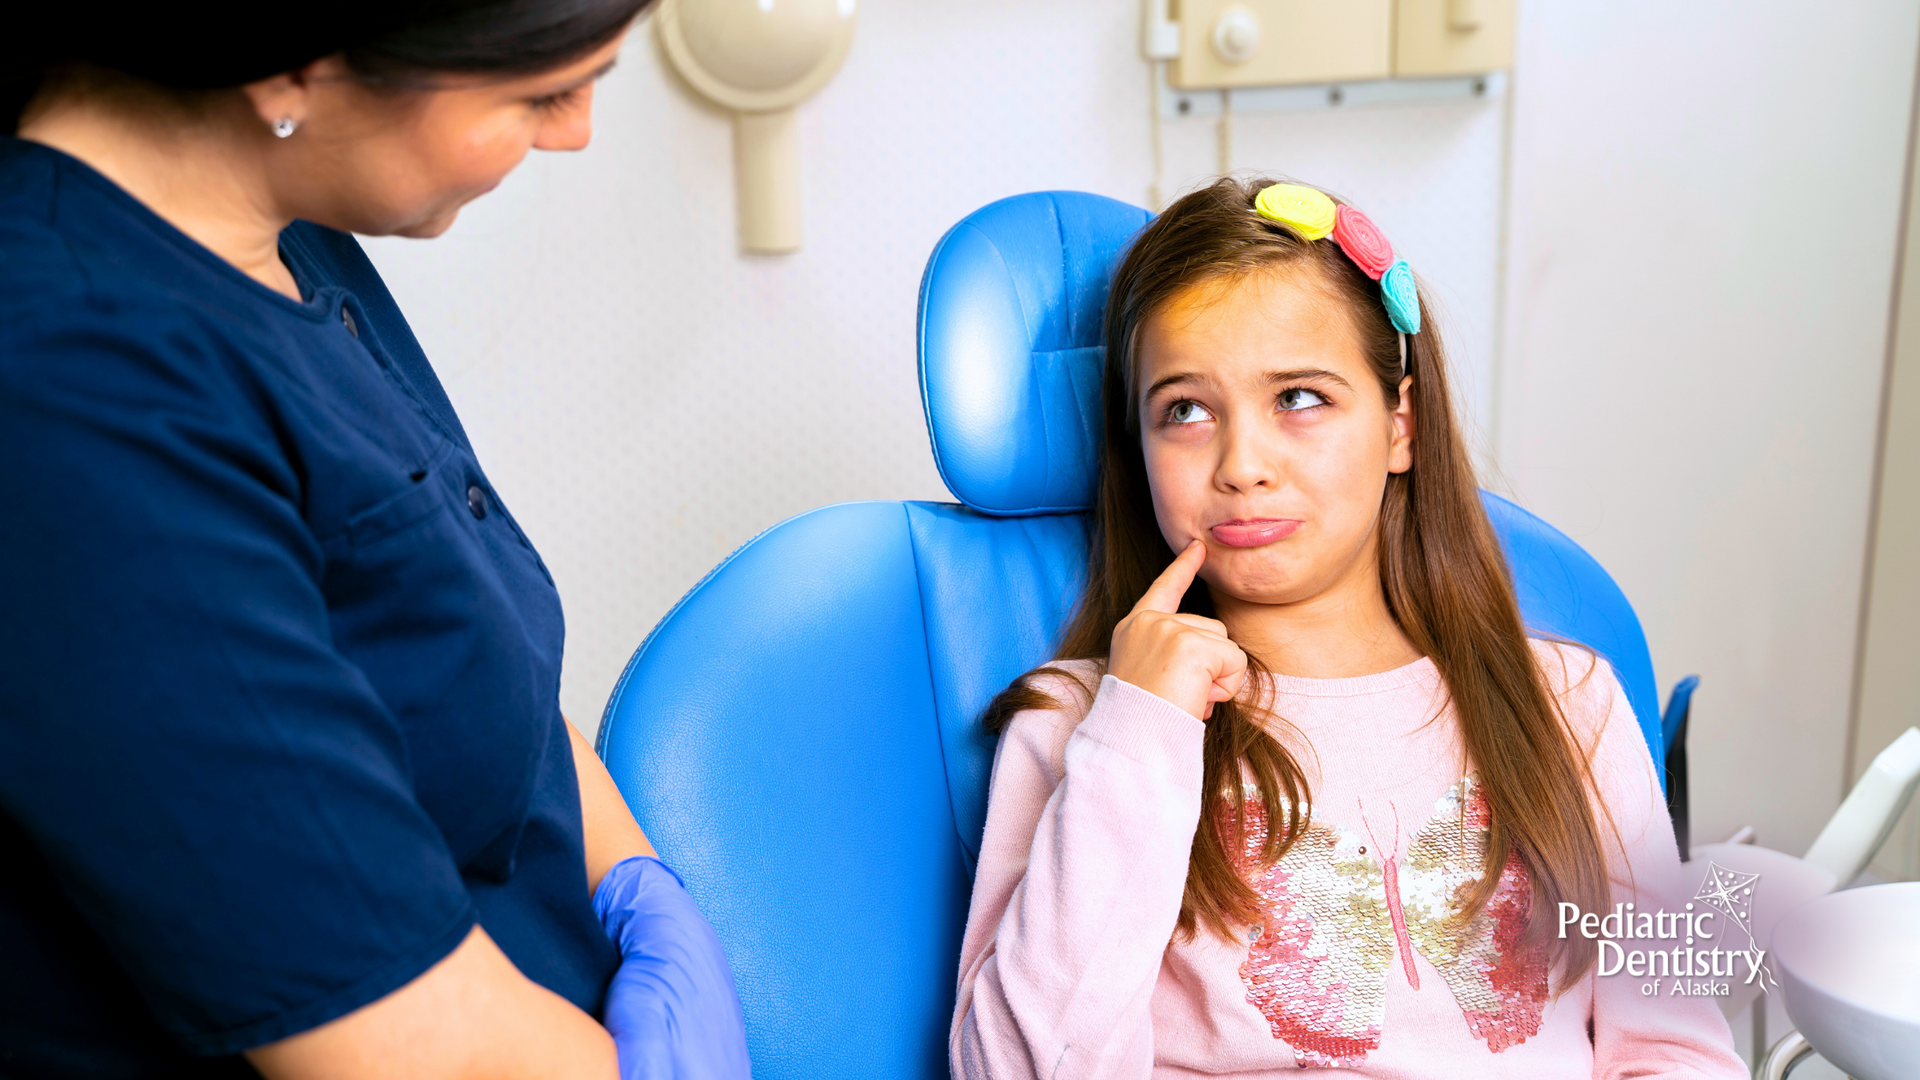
column 1315, row 216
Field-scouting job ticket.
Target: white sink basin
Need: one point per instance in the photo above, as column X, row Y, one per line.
column 1849, row 967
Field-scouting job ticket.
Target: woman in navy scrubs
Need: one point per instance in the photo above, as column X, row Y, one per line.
column 284, row 784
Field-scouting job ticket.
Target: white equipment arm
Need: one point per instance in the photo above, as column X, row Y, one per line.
column 1855, row 832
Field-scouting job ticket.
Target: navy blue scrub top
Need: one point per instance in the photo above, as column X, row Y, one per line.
column 279, row 674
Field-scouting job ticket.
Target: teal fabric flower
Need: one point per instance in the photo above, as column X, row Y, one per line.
column 1401, row 297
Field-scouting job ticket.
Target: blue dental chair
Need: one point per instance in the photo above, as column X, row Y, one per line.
column 799, row 736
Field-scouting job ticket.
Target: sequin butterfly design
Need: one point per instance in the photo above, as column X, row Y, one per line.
column 1317, row 968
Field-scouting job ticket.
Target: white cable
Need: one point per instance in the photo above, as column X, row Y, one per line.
column 1223, row 133
column 1153, row 128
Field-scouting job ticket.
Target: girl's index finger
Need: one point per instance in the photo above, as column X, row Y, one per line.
column 1171, row 586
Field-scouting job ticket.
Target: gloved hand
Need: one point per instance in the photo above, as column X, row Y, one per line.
column 671, row 1009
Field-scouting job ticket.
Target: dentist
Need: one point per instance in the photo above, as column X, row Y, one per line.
column 284, row 785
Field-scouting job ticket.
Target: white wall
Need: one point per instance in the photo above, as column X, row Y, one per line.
column 1704, row 197
column 1889, row 696
column 646, row 399
column 1705, row 206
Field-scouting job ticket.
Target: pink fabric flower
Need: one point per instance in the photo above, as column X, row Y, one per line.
column 1363, row 242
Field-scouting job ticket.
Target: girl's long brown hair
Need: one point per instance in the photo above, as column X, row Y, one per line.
column 1442, row 570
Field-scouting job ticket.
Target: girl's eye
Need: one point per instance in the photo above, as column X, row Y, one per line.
column 555, row 102
column 1187, row 412
column 1297, row 398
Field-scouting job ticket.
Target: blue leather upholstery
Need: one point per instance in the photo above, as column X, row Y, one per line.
column 797, row 739
column 1564, row 593
column 1010, row 356
column 799, row 735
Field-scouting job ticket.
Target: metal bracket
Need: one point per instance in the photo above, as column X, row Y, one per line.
column 1175, row 102
column 1791, row 1050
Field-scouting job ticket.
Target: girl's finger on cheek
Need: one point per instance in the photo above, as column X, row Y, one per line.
column 1167, row 589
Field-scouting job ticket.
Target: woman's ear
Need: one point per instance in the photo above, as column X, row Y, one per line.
column 289, row 95
column 1400, row 454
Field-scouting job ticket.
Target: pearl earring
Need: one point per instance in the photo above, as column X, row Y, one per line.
column 285, row 126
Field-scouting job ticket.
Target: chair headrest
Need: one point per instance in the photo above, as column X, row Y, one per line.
column 1010, row 355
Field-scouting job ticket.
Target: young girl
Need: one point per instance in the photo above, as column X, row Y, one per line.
column 1300, row 791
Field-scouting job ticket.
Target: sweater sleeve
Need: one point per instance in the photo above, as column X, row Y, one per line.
column 1078, row 891
column 1660, row 1036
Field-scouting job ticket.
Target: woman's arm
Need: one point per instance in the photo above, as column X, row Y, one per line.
column 672, row 1008
column 610, row 831
column 474, row 1014
column 470, row 1016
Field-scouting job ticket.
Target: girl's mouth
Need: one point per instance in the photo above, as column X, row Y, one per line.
column 1254, row 532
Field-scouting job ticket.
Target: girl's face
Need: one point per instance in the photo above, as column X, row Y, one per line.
column 1266, row 435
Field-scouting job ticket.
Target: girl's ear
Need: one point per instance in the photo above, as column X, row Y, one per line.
column 1400, row 454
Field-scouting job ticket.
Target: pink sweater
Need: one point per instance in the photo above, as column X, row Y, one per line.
column 1070, row 970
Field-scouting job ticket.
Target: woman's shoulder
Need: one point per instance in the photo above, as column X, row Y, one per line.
column 62, row 301
column 67, row 335
column 39, row 267
column 85, row 263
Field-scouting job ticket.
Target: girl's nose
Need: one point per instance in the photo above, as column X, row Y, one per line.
column 1246, row 464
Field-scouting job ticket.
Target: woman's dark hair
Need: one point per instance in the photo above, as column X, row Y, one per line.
column 1441, row 569
column 505, row 37
column 388, row 43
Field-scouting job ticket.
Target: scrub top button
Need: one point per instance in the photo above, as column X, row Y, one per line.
column 476, row 501
column 346, row 318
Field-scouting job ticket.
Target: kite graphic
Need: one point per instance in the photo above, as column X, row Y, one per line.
column 1731, row 893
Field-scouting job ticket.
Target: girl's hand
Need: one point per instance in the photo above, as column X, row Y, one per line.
column 1185, row 659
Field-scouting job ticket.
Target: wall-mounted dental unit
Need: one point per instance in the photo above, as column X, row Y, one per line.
column 761, row 59
column 1216, row 44
column 1211, row 58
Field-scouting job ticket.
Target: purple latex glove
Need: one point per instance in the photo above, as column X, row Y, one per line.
column 671, row 1009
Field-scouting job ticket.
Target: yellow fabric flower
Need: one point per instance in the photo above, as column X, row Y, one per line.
column 1302, row 209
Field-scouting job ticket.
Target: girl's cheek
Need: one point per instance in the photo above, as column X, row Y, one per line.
column 1187, row 495
column 1174, row 507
